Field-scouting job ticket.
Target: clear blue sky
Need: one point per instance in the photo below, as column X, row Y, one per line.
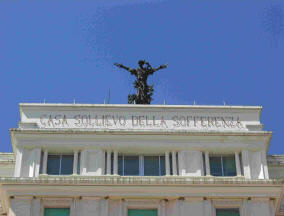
column 217, row 51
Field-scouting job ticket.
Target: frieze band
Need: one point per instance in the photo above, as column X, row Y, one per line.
column 139, row 121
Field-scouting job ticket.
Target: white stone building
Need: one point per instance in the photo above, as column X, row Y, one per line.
column 140, row 160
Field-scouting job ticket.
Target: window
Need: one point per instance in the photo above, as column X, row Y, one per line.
column 227, row 212
column 60, row 164
column 56, row 212
column 223, row 165
column 154, row 166
column 142, row 212
column 141, row 165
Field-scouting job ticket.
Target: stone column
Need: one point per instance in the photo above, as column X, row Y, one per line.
column 108, row 171
column 37, row 156
column 44, row 163
column 83, row 162
column 29, row 160
column 264, row 163
column 18, row 165
column 115, row 163
column 75, row 163
column 238, row 165
column 174, row 163
column 246, row 164
column 167, row 161
column 207, row 164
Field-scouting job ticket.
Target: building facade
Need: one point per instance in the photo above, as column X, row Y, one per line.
column 140, row 160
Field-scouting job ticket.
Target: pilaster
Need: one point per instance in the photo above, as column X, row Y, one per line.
column 36, row 207
column 162, row 208
column 20, row 206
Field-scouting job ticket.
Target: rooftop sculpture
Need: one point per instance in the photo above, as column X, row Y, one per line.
column 144, row 91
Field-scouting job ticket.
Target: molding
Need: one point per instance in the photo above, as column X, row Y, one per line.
column 92, row 198
column 137, row 106
column 139, row 180
column 228, row 203
column 194, row 199
column 136, row 132
column 259, row 199
column 23, row 197
column 56, row 202
column 142, row 203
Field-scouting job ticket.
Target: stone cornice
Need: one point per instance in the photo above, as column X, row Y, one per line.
column 143, row 106
column 139, row 132
column 140, row 180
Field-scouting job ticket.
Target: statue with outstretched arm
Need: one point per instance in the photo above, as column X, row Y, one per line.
column 144, row 91
column 156, row 69
column 131, row 70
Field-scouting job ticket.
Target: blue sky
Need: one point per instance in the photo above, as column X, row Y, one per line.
column 218, row 51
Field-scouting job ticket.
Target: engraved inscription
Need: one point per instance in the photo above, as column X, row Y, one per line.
column 137, row 121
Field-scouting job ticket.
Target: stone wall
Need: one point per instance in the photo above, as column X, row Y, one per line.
column 101, row 206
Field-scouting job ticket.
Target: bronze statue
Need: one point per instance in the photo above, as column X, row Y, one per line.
column 144, row 91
